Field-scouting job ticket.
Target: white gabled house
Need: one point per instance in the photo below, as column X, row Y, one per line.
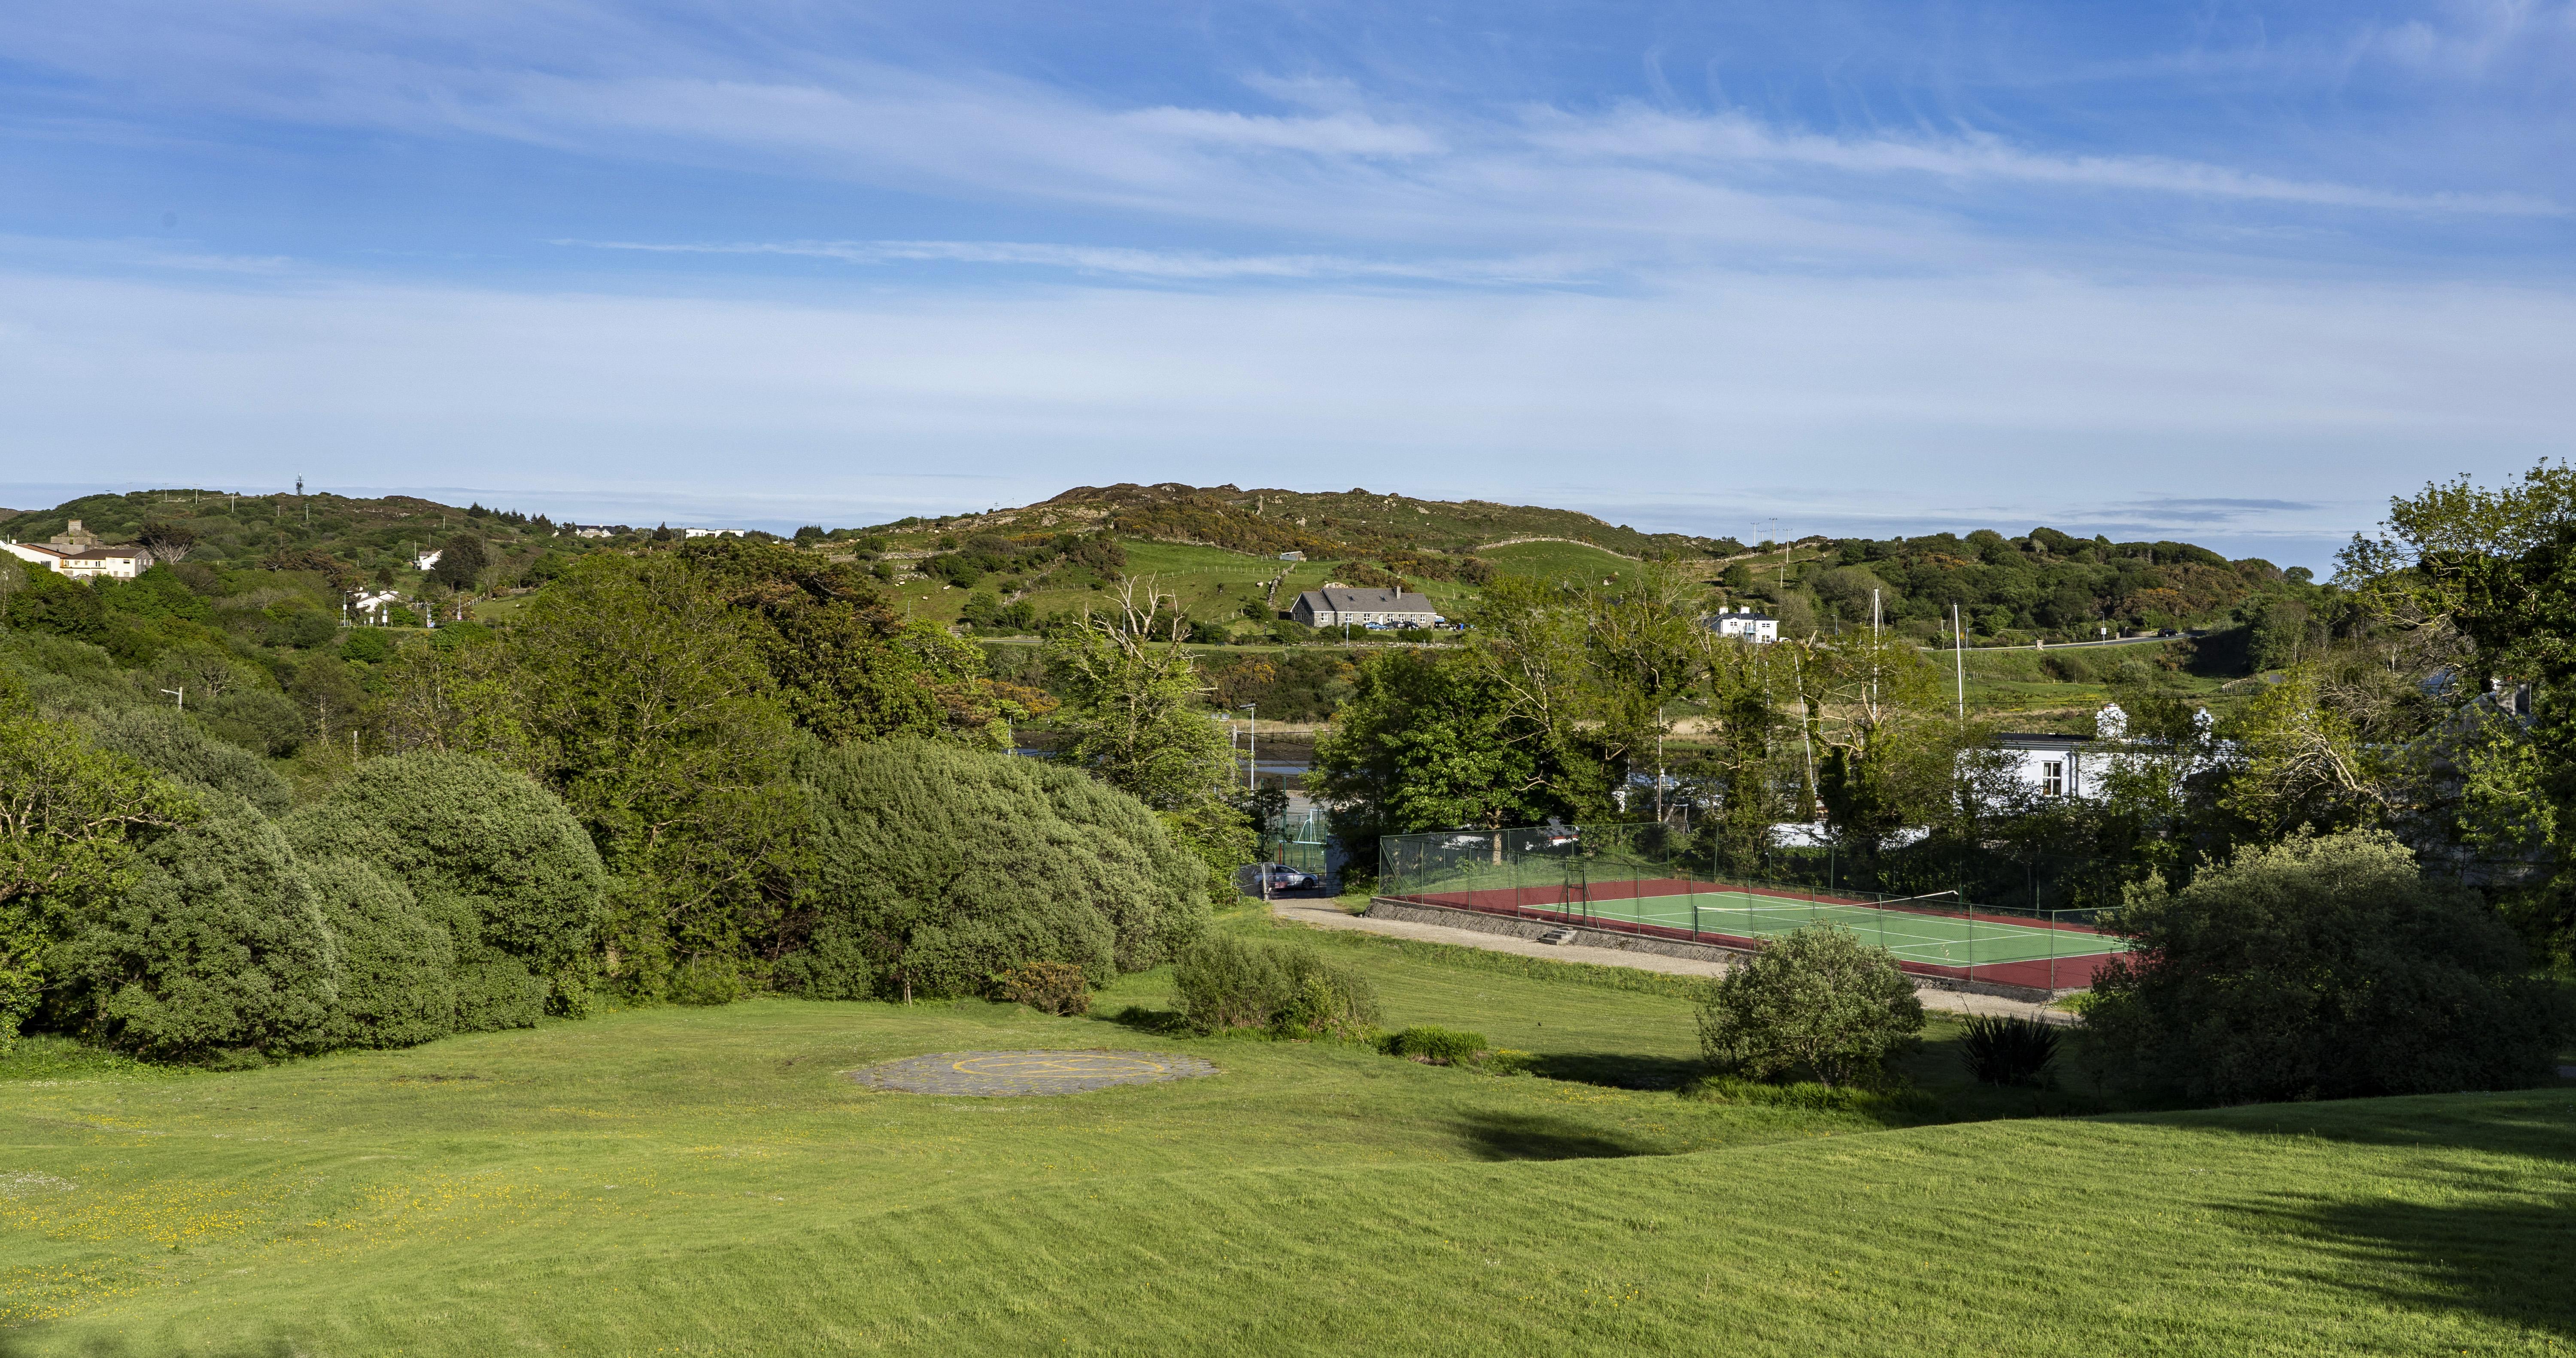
column 1746, row 625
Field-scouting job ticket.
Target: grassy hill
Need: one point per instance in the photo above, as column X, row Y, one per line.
column 708, row 1182
column 1219, row 549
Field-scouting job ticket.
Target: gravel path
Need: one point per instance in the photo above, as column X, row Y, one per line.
column 1327, row 915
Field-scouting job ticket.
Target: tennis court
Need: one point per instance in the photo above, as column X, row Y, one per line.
column 1594, row 879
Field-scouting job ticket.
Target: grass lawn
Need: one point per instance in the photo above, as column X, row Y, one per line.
column 707, row 1182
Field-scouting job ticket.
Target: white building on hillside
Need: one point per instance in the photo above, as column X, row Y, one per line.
column 1746, row 624
column 79, row 555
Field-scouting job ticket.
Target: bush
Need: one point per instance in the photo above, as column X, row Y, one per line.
column 2321, row 968
column 1439, row 1046
column 491, row 856
column 2006, row 1050
column 171, row 744
column 1048, row 987
column 936, row 868
column 366, row 645
column 1816, row 1000
column 1228, row 982
column 256, row 719
column 221, row 944
column 397, row 966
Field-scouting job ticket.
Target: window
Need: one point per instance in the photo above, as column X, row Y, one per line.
column 2052, row 778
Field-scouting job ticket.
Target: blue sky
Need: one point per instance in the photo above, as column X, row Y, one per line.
column 2226, row 272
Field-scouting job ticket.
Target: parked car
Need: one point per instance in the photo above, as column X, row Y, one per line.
column 1282, row 877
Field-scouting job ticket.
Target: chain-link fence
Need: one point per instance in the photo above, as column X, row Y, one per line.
column 1644, row 880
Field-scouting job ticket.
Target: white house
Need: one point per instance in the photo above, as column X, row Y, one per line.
column 2051, row 765
column 77, row 554
column 712, row 532
column 1336, row 605
column 425, row 560
column 1747, row 625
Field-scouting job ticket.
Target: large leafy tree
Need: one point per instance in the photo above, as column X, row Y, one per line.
column 2322, row 967
column 1424, row 743
column 2477, row 589
column 71, row 819
column 845, row 665
column 935, row 869
column 1132, row 718
column 646, row 706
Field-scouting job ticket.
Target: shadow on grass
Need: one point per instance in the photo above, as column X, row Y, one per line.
column 1161, row 1022
column 112, row 1346
column 1531, row 1136
column 2538, row 1124
column 2512, row 1260
column 1617, row 1070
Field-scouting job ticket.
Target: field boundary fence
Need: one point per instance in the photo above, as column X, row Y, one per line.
column 1642, row 879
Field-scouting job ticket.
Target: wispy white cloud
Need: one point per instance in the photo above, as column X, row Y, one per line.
column 1650, row 136
column 1158, row 265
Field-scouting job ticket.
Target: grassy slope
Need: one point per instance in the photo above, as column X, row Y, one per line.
column 1192, row 572
column 705, row 1182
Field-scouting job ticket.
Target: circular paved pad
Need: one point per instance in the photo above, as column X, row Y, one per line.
column 999, row 1074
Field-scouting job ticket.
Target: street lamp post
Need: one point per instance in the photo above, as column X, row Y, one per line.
column 1252, row 785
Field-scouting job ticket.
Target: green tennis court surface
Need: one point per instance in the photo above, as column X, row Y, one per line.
column 1913, row 934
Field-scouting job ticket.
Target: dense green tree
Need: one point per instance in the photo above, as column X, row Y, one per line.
column 176, row 747
column 645, row 704
column 844, row 665
column 397, row 965
column 2322, row 967
column 1424, row 743
column 1132, row 717
column 219, row 945
column 936, row 868
column 492, row 858
column 72, row 817
column 462, row 560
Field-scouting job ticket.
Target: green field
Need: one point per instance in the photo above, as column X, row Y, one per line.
column 707, row 1182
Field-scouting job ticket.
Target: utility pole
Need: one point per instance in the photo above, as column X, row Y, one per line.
column 1959, row 659
column 180, row 693
column 1252, row 773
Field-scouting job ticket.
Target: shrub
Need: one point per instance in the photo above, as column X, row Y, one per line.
column 172, row 744
column 397, row 966
column 1817, row 1000
column 2321, row 967
column 490, row 855
column 1228, row 982
column 220, row 944
column 1439, row 1046
column 256, row 719
column 367, row 646
column 2006, row 1050
column 935, row 868
column 1048, row 987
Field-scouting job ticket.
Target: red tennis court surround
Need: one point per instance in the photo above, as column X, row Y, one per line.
column 1636, row 879
column 2073, row 970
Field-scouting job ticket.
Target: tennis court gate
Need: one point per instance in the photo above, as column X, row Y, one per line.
column 1642, row 879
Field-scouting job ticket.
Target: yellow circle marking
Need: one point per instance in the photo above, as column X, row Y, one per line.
column 1055, row 1066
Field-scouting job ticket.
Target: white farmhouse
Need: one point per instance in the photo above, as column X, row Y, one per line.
column 1745, row 624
